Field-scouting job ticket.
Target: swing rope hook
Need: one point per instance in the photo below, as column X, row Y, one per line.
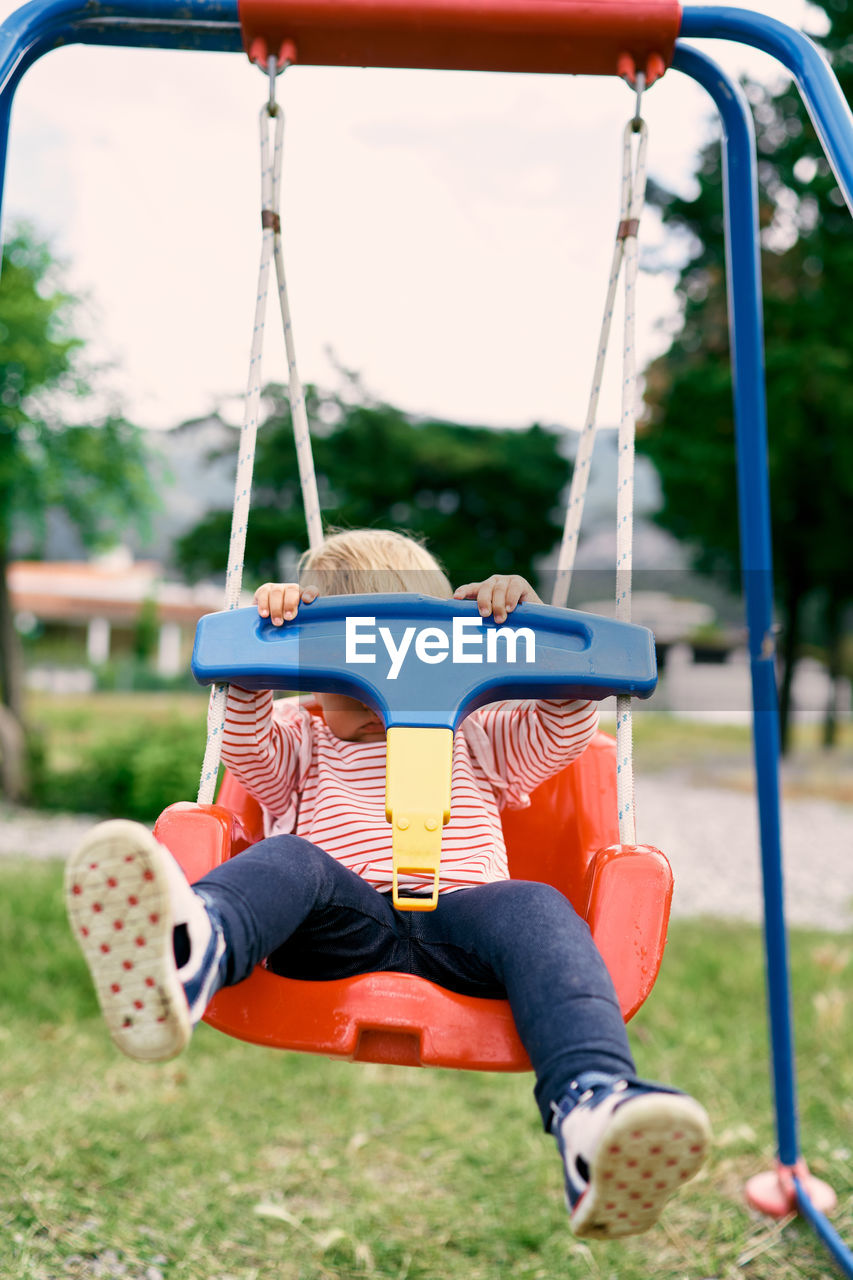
column 272, row 72
column 639, row 85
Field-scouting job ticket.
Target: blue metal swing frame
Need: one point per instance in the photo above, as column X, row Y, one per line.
column 214, row 26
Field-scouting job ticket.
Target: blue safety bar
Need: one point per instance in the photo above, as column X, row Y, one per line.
column 417, row 660
column 213, row 25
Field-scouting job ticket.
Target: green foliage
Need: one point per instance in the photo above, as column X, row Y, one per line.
column 95, row 470
column 129, row 777
column 483, row 499
column 146, row 630
column 807, row 264
column 131, row 674
column 36, row 347
column 132, row 765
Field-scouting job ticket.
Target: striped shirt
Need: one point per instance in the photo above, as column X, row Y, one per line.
column 332, row 791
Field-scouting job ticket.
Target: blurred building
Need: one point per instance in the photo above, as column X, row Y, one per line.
column 106, row 600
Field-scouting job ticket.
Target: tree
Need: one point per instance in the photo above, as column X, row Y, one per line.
column 807, row 261
column 95, row 472
column 484, row 499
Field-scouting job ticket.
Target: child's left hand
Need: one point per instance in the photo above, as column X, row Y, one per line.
column 498, row 595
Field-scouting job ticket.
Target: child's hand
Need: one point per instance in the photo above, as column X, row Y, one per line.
column 498, row 595
column 279, row 601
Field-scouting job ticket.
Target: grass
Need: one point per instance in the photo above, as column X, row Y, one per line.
column 75, row 726
column 720, row 754
column 72, row 723
column 237, row 1163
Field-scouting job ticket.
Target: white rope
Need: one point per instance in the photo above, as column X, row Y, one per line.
column 245, row 466
column 632, row 196
column 586, row 444
column 625, row 484
column 270, row 249
column 298, row 411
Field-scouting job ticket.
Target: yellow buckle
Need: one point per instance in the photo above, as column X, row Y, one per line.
column 417, row 804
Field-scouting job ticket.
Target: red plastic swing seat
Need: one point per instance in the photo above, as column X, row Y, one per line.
column 568, row 837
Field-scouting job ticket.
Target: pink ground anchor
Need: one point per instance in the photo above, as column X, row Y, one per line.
column 774, row 1192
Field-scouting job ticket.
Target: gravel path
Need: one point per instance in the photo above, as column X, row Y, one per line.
column 709, row 834
column 33, row 834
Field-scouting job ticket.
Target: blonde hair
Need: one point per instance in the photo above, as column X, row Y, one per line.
column 366, row 561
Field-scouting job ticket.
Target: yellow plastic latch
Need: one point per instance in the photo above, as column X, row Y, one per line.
column 417, row 804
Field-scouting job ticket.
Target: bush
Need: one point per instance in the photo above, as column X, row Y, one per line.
column 132, row 774
column 133, row 675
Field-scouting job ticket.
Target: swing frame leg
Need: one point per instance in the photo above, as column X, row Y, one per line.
column 790, row 1188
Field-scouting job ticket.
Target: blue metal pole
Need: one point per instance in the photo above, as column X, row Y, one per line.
column 163, row 24
column 826, row 105
column 744, row 281
column 824, row 1229
column 42, row 25
column 5, row 120
column 745, row 319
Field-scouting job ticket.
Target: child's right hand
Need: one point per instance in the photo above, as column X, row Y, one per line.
column 279, row 601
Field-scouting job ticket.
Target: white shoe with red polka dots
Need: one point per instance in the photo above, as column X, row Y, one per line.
column 626, row 1153
column 117, row 894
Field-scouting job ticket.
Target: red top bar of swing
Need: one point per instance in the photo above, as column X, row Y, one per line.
column 589, row 37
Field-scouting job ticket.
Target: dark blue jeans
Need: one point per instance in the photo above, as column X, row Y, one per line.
column 287, row 901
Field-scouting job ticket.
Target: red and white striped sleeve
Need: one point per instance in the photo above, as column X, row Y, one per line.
column 264, row 751
column 531, row 741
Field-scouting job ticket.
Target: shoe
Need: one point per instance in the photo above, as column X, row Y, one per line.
column 125, row 896
column 627, row 1147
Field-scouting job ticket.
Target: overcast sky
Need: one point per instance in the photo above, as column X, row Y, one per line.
column 447, row 235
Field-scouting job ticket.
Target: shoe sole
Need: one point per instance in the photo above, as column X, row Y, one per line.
column 651, row 1147
column 117, row 896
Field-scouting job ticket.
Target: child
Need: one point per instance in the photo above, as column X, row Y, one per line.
column 313, row 900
